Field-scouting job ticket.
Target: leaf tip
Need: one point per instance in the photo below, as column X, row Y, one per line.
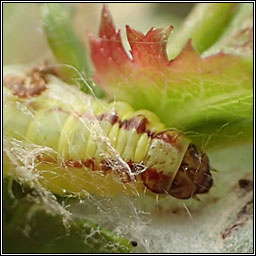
column 107, row 28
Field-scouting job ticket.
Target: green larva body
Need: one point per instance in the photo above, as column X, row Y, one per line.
column 93, row 137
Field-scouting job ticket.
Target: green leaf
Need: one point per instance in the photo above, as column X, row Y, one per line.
column 192, row 93
column 29, row 227
column 67, row 47
column 204, row 25
column 238, row 36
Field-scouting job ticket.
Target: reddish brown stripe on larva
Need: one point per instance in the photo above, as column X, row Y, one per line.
column 89, row 163
column 111, row 118
column 164, row 136
column 171, row 136
column 105, row 166
column 138, row 122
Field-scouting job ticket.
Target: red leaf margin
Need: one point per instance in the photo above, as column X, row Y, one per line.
column 146, row 50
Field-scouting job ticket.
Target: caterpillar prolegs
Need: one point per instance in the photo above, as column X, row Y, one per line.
column 95, row 146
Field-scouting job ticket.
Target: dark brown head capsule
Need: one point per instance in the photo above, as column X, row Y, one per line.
column 193, row 176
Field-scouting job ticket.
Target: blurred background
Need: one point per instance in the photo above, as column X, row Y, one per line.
column 24, row 40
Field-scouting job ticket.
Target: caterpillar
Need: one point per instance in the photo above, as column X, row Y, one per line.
column 96, row 146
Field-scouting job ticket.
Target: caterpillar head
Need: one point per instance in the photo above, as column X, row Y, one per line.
column 193, row 176
column 176, row 166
